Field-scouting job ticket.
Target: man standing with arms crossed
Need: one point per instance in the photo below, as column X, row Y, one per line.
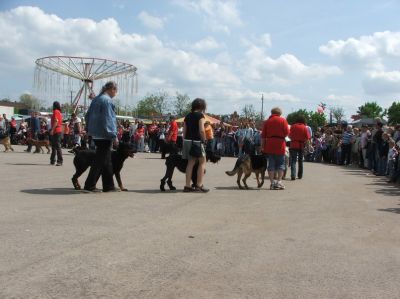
column 273, row 143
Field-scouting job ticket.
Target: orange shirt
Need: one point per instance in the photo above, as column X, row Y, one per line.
column 56, row 115
column 275, row 130
column 209, row 132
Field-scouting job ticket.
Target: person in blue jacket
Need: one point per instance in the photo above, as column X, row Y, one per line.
column 101, row 125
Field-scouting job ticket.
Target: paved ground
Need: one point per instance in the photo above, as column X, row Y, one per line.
column 334, row 234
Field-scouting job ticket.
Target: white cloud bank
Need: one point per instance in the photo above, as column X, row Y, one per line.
column 150, row 21
column 28, row 33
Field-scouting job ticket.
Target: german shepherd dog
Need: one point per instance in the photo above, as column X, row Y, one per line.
column 85, row 158
column 247, row 164
column 175, row 161
column 6, row 141
column 39, row 144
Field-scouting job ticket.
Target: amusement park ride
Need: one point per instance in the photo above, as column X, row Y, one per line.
column 57, row 77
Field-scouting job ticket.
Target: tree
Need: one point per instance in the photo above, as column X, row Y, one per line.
column 7, row 100
column 371, row 110
column 182, row 105
column 292, row 117
column 393, row 113
column 338, row 114
column 316, row 120
column 249, row 112
column 152, row 104
column 30, row 101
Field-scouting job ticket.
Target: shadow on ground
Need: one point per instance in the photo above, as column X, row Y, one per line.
column 27, row 164
column 391, row 210
column 51, row 191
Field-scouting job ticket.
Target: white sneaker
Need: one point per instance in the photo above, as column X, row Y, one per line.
column 279, row 186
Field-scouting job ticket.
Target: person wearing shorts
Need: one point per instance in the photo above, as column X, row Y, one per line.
column 273, row 143
column 194, row 135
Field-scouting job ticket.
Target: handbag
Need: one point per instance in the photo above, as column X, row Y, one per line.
column 195, row 150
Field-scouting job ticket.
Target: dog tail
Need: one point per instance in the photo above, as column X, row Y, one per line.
column 236, row 168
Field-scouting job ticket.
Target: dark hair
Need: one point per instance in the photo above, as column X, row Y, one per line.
column 301, row 119
column 199, row 104
column 56, row 106
column 109, row 85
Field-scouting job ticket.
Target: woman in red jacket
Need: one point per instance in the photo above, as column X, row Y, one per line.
column 299, row 135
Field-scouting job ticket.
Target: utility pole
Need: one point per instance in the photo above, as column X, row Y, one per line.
column 262, row 106
column 71, row 104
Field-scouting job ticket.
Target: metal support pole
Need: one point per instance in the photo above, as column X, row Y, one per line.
column 262, row 106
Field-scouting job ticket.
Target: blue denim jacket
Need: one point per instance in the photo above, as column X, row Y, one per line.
column 100, row 118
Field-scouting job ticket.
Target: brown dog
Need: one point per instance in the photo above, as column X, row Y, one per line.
column 39, row 144
column 6, row 141
column 246, row 165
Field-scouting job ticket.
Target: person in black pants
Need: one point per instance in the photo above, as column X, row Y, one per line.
column 55, row 135
column 102, row 127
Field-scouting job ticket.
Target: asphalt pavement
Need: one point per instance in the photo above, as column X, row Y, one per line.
column 333, row 234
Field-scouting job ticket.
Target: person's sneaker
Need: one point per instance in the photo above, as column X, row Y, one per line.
column 52, row 163
column 293, row 178
column 201, row 189
column 59, row 164
column 272, row 186
column 279, row 186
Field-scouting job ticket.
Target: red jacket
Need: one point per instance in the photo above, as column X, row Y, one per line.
column 299, row 134
column 275, row 130
column 56, row 115
column 172, row 132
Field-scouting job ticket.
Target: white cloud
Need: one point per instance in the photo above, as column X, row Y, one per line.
column 206, row 44
column 265, row 40
column 382, row 83
column 369, row 51
column 150, row 21
column 334, row 100
column 29, row 33
column 218, row 15
column 286, row 69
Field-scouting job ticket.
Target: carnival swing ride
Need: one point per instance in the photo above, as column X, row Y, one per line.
column 72, row 79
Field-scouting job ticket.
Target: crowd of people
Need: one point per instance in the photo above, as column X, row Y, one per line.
column 374, row 148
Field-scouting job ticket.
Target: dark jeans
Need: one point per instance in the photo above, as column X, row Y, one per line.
column 56, row 149
column 346, row 154
column 296, row 155
column 102, row 166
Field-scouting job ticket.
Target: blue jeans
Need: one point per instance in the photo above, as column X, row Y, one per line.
column 296, row 155
column 276, row 162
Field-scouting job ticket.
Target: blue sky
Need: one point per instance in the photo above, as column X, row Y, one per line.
column 297, row 53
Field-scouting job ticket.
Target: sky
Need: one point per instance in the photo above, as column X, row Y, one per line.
column 229, row 52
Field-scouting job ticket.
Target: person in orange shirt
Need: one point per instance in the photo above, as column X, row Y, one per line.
column 209, row 136
column 273, row 143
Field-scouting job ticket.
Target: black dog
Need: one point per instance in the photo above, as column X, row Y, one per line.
column 168, row 148
column 175, row 161
column 85, row 158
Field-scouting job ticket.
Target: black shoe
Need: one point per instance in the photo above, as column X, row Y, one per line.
column 188, row 189
column 59, row 164
column 293, row 178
